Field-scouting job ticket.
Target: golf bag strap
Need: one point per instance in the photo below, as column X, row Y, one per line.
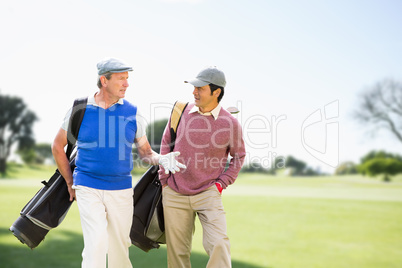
column 77, row 114
column 175, row 117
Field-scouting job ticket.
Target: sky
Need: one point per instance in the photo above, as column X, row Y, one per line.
column 295, row 69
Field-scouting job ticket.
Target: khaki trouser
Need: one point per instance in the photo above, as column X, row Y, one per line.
column 106, row 218
column 180, row 211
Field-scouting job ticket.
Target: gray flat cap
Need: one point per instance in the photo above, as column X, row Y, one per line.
column 209, row 75
column 112, row 65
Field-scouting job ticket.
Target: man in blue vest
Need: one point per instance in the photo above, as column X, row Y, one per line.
column 102, row 182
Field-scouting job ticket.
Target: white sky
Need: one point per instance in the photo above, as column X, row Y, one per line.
column 282, row 59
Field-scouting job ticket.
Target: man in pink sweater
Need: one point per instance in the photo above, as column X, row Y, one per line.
column 206, row 135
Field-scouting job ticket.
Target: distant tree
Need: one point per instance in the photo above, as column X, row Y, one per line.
column 346, row 168
column 380, row 162
column 382, row 166
column 29, row 156
column 381, row 107
column 16, row 123
column 36, row 154
column 379, row 154
column 309, row 172
column 44, row 150
column 297, row 166
column 256, row 168
column 279, row 163
column 155, row 133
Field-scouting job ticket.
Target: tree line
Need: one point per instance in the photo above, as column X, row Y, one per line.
column 374, row 163
column 379, row 107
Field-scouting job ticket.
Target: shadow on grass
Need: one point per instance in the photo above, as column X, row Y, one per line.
column 62, row 249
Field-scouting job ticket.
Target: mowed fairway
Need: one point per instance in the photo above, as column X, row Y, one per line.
column 273, row 222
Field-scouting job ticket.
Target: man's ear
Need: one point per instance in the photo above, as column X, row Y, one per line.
column 103, row 80
column 217, row 92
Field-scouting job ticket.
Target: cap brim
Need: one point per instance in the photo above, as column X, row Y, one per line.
column 122, row 70
column 197, row 83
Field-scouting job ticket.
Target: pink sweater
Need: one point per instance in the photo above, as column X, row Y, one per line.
column 204, row 144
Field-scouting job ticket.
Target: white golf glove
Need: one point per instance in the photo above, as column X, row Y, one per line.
column 169, row 162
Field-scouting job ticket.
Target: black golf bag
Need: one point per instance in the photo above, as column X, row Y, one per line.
column 46, row 210
column 49, row 206
column 148, row 228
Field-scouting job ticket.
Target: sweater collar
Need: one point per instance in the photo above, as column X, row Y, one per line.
column 215, row 112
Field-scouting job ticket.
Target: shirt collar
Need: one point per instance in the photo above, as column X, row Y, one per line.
column 91, row 101
column 215, row 112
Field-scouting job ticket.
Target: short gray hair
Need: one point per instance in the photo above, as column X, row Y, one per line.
column 106, row 75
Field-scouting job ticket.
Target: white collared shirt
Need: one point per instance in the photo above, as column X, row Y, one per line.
column 91, row 101
column 215, row 112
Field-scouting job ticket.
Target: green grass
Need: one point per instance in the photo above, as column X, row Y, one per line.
column 19, row 171
column 274, row 222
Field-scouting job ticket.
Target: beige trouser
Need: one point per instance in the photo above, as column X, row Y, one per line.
column 180, row 211
column 106, row 218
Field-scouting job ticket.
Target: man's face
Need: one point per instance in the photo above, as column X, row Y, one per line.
column 203, row 97
column 117, row 84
